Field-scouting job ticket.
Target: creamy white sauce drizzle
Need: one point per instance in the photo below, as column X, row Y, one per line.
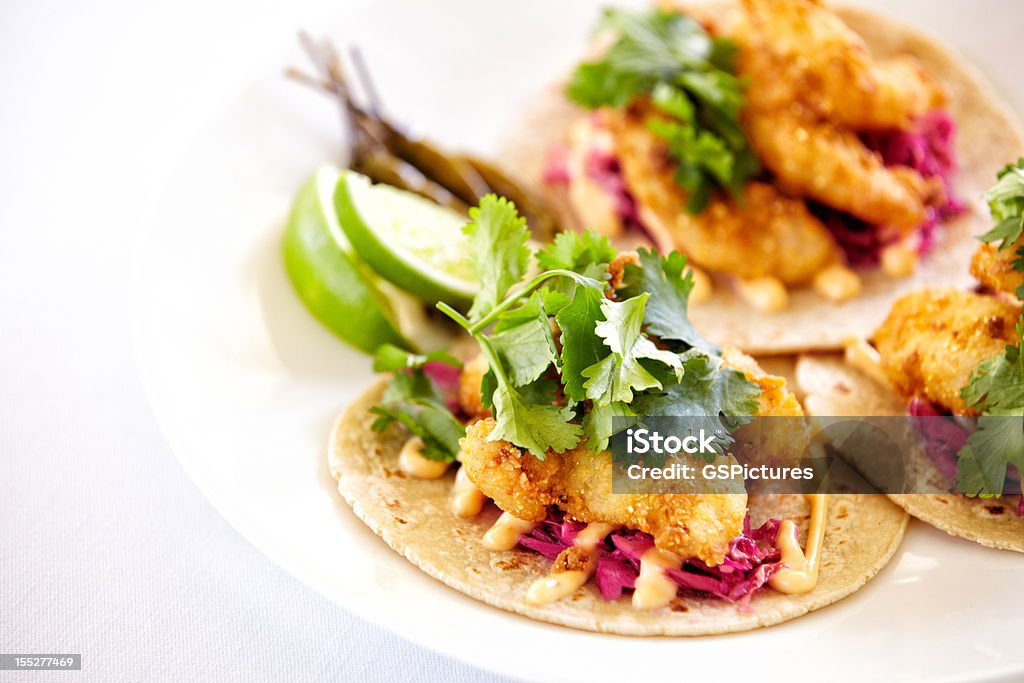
column 412, row 462
column 558, row 585
column 654, row 589
column 505, row 532
column 467, row 499
column 800, row 574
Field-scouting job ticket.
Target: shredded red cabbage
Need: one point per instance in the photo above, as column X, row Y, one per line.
column 928, row 149
column 751, row 560
column 943, row 439
column 861, row 242
column 602, row 167
column 446, row 379
column 556, row 166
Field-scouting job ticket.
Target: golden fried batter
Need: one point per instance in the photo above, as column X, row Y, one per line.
column 994, row 268
column 799, row 50
column 472, row 375
column 579, row 482
column 934, row 339
column 812, row 86
column 776, row 399
column 764, row 234
column 821, row 161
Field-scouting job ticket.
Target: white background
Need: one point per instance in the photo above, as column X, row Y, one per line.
column 106, row 548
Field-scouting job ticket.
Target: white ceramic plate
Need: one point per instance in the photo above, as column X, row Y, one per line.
column 245, row 385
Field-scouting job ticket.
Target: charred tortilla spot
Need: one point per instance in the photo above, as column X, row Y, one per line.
column 512, row 564
column 677, row 605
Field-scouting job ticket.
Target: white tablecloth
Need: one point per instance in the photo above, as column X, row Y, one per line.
column 106, row 549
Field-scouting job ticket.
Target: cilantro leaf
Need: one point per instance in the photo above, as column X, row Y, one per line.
column 981, row 464
column 669, row 285
column 599, row 425
column 526, row 349
column 587, row 253
column 497, row 235
column 581, row 348
column 601, row 84
column 1008, row 230
column 689, row 76
column 1006, row 204
column 530, row 310
column 997, row 386
column 390, row 358
column 618, row 375
column 656, row 43
column 412, row 400
column 708, row 389
column 535, row 427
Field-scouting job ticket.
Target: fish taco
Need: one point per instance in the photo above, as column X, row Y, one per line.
column 813, row 164
column 951, row 360
column 488, row 465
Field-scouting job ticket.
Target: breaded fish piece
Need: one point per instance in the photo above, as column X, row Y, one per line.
column 579, row 482
column 800, row 50
column 933, row 340
column 470, row 379
column 765, row 234
column 819, row 160
column 775, row 399
column 994, row 268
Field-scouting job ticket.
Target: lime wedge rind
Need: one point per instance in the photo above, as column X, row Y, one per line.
column 326, row 273
column 410, row 241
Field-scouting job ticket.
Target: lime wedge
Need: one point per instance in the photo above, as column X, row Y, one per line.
column 409, row 240
column 339, row 291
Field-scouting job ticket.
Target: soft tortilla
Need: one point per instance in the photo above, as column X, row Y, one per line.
column 834, row 388
column 988, row 137
column 413, row 516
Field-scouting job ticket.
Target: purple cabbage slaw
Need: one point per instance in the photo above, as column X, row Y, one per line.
column 446, row 379
column 751, row 560
column 928, row 148
column 943, row 439
column 603, row 169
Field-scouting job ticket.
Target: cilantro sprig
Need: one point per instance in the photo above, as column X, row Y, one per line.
column 414, row 400
column 689, row 78
column 1006, row 204
column 996, row 387
column 565, row 360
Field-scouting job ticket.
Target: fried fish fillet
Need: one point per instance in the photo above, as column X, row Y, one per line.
column 470, row 379
column 933, row 340
column 812, row 86
column 821, row 161
column 801, row 51
column 579, row 482
column 763, row 234
column 994, row 268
